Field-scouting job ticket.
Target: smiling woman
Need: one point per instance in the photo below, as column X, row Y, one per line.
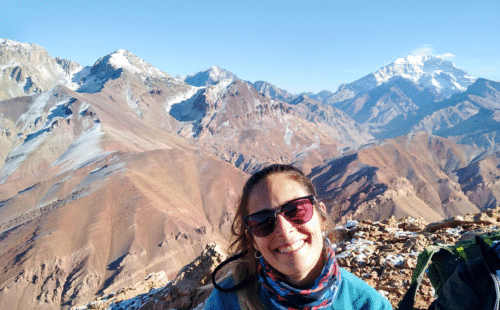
column 284, row 262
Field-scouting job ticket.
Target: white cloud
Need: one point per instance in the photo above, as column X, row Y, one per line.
column 423, row 50
column 446, row 56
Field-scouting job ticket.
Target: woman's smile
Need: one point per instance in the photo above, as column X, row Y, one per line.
column 294, row 247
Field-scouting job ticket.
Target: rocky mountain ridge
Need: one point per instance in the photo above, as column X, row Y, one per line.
column 27, row 69
column 127, row 171
column 469, row 118
column 385, row 101
column 131, row 173
column 383, row 254
column 434, row 73
column 415, row 175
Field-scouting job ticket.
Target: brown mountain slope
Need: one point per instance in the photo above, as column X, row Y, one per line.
column 118, row 199
column 417, row 175
column 241, row 126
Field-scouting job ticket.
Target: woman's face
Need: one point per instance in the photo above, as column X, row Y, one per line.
column 294, row 250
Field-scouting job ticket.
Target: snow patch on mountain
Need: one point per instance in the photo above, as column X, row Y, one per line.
column 35, row 134
column 288, row 136
column 132, row 102
column 85, row 150
column 181, row 106
column 119, row 60
column 75, row 77
column 35, row 110
column 26, row 69
column 15, row 44
column 19, row 154
column 126, row 60
column 83, row 108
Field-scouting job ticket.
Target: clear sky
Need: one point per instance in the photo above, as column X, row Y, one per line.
column 299, row 46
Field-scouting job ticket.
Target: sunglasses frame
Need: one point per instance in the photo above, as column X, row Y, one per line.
column 275, row 213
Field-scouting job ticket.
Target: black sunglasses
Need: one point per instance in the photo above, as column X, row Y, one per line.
column 298, row 211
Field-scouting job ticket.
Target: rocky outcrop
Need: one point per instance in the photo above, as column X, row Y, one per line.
column 184, row 292
column 27, row 69
column 383, row 254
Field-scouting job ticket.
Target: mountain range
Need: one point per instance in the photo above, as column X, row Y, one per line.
column 113, row 171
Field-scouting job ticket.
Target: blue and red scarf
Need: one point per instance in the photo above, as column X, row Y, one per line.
column 275, row 293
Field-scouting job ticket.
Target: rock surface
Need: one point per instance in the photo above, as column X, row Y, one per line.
column 182, row 293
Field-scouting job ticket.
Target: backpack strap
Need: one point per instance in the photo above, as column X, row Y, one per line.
column 492, row 262
column 490, row 257
column 424, row 260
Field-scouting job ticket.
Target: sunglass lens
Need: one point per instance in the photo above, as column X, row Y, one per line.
column 262, row 224
column 299, row 211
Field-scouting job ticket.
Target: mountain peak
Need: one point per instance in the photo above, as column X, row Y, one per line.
column 210, row 76
column 28, row 69
column 271, row 91
column 11, row 43
column 123, row 59
column 428, row 71
column 216, row 69
column 111, row 67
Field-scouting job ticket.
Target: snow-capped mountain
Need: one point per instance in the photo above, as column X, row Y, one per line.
column 210, row 76
column 111, row 66
column 27, row 69
column 433, row 73
column 383, row 100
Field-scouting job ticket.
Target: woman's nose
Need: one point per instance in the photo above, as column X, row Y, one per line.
column 283, row 226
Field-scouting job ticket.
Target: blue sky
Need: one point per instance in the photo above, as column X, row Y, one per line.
column 300, row 46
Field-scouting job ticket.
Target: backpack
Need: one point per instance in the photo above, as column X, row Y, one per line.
column 439, row 262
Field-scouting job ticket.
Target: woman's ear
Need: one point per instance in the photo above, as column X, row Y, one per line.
column 322, row 206
column 323, row 216
column 250, row 237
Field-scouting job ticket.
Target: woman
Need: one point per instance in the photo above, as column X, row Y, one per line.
column 284, row 261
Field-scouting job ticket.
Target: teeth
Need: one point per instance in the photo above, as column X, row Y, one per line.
column 297, row 245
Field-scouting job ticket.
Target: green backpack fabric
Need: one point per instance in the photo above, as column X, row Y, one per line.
column 439, row 262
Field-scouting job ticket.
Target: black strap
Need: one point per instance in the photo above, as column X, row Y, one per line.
column 490, row 258
column 424, row 260
column 237, row 286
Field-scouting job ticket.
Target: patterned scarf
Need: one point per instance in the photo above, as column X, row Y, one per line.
column 275, row 293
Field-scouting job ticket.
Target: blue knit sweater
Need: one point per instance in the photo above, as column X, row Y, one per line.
column 354, row 294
